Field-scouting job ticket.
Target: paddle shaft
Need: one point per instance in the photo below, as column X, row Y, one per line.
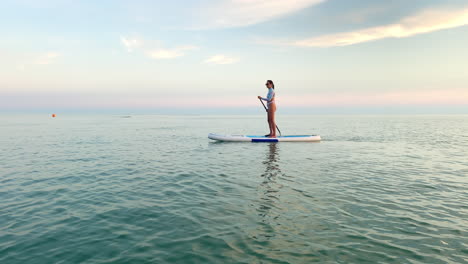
column 266, row 109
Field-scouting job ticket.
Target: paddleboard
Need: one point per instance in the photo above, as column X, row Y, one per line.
column 246, row 138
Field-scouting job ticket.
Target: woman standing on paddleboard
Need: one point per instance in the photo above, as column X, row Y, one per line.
column 270, row 99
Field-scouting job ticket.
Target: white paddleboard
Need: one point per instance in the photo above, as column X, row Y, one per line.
column 246, row 138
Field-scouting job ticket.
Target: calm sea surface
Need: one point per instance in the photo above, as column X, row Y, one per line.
column 154, row 189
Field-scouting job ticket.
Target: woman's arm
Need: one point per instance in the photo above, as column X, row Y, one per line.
column 270, row 96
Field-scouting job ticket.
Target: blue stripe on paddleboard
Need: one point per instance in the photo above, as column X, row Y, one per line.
column 264, row 140
column 299, row 136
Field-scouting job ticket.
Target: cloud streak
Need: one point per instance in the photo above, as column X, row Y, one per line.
column 424, row 22
column 240, row 13
column 47, row 58
column 130, row 44
column 42, row 59
column 170, row 53
column 133, row 44
column 221, row 59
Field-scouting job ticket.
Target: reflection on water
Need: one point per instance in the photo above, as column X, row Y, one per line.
column 272, row 169
column 269, row 201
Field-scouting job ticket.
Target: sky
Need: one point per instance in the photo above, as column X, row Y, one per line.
column 141, row 55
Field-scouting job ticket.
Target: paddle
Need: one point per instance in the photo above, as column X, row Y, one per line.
column 266, row 109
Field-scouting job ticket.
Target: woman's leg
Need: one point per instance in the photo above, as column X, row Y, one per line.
column 271, row 116
column 269, row 123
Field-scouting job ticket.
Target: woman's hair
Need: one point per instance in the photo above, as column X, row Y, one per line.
column 272, row 84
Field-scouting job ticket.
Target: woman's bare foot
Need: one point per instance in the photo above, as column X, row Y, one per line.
column 272, row 136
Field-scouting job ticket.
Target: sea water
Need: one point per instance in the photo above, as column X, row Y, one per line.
column 154, row 189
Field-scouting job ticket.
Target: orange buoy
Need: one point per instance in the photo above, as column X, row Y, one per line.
column 53, row 115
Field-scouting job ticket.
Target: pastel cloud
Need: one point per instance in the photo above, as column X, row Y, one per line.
column 424, row 22
column 41, row 59
column 239, row 13
column 170, row 53
column 221, row 59
column 47, row 58
column 133, row 44
column 130, row 44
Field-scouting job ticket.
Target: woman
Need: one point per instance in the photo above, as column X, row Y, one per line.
column 271, row 108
